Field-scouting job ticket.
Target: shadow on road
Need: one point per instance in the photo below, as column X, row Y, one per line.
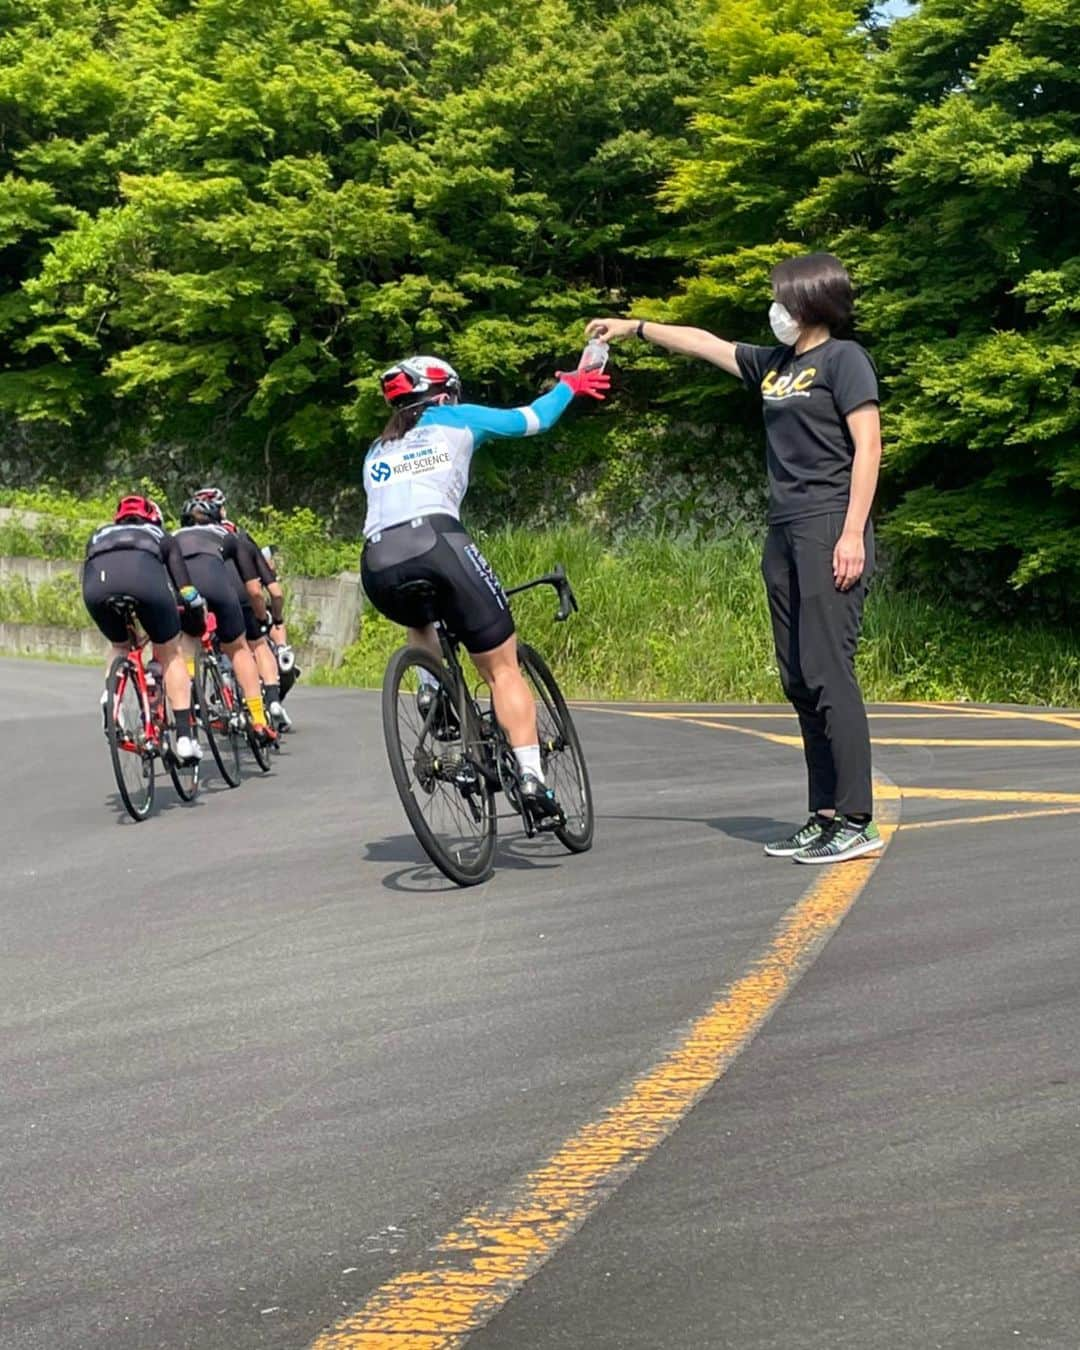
column 422, row 877
column 165, row 799
column 757, row 829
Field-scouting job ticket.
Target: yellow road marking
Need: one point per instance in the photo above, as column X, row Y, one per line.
column 975, row 795
column 1070, row 720
column 476, row 1267
column 992, row 817
column 1012, row 743
column 929, row 742
column 785, row 713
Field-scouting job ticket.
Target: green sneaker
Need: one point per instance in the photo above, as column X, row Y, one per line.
column 810, row 833
column 846, row 839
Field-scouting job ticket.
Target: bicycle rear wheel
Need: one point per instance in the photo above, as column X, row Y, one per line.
column 219, row 719
column 560, row 752
column 185, row 777
column 449, row 802
column 260, row 750
column 129, row 740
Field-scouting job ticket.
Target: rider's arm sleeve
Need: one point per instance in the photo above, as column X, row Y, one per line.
column 245, row 559
column 540, row 415
column 265, row 567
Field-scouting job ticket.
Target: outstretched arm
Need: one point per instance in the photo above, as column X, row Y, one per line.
column 684, row 341
column 539, row 415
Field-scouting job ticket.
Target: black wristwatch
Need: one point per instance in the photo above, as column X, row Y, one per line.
column 640, row 330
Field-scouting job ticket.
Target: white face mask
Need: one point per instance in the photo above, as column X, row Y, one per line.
column 785, row 329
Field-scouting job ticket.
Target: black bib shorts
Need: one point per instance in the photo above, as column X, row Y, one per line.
column 469, row 598
column 138, row 573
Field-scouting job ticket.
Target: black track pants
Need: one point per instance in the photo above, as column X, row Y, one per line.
column 816, row 630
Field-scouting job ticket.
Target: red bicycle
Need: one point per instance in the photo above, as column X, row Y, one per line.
column 137, row 725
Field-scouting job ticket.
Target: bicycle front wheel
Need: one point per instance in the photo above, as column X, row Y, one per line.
column 560, row 752
column 217, row 717
column 130, row 745
column 449, row 801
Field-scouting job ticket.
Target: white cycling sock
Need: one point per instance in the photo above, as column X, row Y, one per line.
column 427, row 678
column 528, row 758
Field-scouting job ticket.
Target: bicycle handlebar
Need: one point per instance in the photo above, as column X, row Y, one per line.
column 560, row 583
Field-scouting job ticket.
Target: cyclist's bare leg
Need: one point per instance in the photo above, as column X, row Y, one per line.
column 177, row 679
column 510, row 695
column 247, row 672
column 188, row 647
column 265, row 662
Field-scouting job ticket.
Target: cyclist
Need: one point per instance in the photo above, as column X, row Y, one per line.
column 208, row 547
column 136, row 556
column 261, row 620
column 288, row 671
column 415, row 476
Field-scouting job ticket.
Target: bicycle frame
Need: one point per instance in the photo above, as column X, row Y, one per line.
column 480, row 729
column 153, row 719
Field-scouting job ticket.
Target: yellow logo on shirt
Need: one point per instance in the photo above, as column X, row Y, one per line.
column 788, row 386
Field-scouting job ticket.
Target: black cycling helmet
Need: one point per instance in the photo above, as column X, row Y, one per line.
column 211, row 514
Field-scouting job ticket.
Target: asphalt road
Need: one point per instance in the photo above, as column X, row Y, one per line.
column 256, row 1056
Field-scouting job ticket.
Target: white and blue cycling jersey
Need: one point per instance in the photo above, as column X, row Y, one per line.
column 426, row 471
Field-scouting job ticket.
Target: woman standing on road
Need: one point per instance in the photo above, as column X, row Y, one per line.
column 823, row 449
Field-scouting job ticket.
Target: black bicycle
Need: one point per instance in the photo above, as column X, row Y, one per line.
column 449, row 756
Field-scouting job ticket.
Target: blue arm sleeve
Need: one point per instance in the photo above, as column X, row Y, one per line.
column 540, row 415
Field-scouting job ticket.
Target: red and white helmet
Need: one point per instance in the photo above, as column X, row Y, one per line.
column 138, row 508
column 416, row 377
column 210, row 496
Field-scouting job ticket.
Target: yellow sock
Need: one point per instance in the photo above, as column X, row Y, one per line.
column 190, row 663
column 258, row 712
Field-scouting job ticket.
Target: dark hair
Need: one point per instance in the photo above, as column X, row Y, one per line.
column 815, row 289
column 403, row 419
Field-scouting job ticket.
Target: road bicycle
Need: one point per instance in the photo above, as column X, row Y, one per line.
column 449, row 757
column 137, row 725
column 222, row 710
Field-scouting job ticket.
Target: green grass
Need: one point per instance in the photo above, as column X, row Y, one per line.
column 659, row 619
column 663, row 620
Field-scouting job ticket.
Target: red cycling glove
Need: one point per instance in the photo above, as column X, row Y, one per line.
column 590, row 383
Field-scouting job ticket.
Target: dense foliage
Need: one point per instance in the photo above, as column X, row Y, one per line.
column 218, row 218
column 222, row 218
column 940, row 157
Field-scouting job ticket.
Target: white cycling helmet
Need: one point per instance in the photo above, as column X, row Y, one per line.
column 417, row 376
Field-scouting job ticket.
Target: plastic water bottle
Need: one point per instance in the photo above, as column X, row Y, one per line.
column 595, row 355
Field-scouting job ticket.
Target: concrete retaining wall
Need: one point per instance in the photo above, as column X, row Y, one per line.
column 37, row 570
column 326, row 608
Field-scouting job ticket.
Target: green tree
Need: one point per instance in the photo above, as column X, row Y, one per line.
column 223, row 218
column 767, row 128
column 970, row 266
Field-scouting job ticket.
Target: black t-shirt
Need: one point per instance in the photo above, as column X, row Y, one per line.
column 806, row 400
